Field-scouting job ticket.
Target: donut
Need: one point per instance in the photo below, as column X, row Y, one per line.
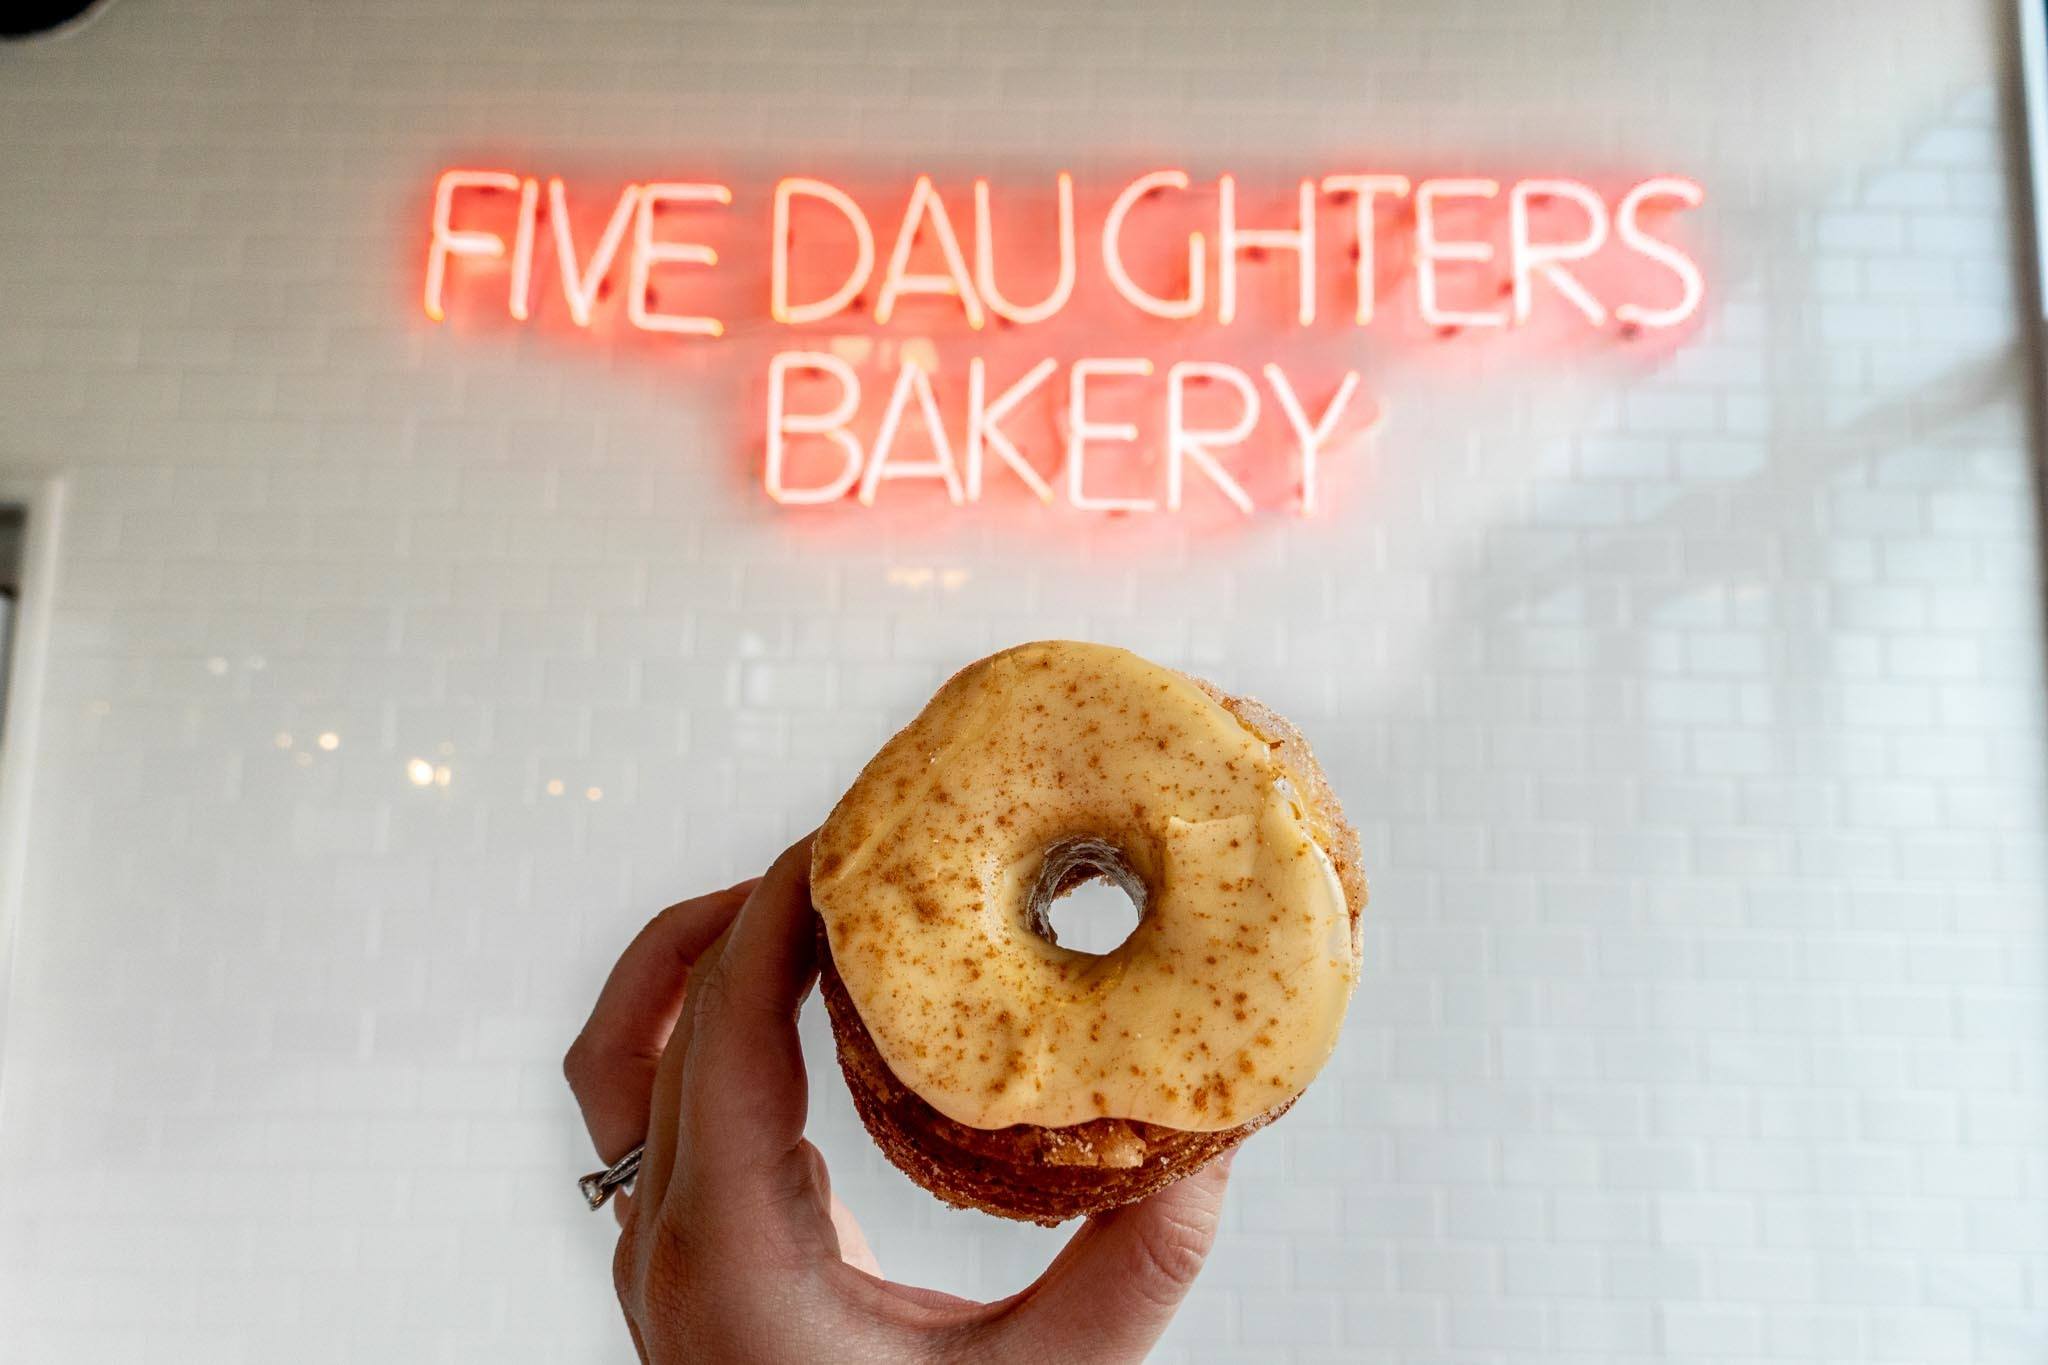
column 1004, row 1072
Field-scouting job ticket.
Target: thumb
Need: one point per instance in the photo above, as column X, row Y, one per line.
column 1111, row 1292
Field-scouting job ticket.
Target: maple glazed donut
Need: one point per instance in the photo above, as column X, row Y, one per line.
column 1004, row 1072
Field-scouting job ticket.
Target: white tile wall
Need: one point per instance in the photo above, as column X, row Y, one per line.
column 1690, row 707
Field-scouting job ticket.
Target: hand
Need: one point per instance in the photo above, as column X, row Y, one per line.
column 732, row 1246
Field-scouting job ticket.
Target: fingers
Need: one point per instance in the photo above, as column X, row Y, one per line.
column 1113, row 1289
column 730, row 1096
column 744, row 1092
column 666, row 1150
column 611, row 1065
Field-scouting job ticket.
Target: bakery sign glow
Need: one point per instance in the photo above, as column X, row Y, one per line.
column 1196, row 327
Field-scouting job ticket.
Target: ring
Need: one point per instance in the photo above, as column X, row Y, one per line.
column 599, row 1186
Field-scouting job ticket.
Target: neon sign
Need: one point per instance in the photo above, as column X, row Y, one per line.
column 1158, row 262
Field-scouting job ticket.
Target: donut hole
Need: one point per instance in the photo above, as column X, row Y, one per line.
column 1094, row 918
column 1087, row 899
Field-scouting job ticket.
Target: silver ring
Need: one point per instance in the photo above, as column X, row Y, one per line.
column 599, row 1186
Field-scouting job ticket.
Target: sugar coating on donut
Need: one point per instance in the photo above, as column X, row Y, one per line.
column 931, row 874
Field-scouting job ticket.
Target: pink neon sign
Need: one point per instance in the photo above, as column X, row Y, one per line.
column 1159, row 259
